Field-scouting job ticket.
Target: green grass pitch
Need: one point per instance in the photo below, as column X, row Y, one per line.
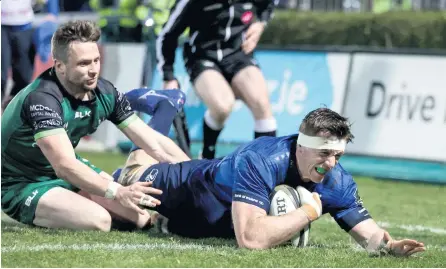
column 407, row 210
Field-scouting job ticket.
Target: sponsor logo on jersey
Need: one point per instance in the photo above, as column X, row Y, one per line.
column 152, row 175
column 247, row 17
column 45, row 114
column 46, row 124
column 239, row 197
column 39, row 108
column 82, row 114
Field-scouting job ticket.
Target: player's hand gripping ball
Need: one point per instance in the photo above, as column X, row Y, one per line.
column 285, row 199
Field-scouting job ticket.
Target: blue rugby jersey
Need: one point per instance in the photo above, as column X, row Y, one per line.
column 249, row 175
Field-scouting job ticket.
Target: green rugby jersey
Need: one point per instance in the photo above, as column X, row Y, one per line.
column 44, row 108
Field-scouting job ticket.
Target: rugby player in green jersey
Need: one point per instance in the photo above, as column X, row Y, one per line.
column 44, row 182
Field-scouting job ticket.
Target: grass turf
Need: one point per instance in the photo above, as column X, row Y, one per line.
column 409, row 210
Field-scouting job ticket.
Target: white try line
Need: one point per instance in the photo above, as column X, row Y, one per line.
column 406, row 227
column 111, row 247
column 412, row 228
column 153, row 246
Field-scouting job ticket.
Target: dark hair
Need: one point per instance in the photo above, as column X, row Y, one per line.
column 327, row 121
column 73, row 31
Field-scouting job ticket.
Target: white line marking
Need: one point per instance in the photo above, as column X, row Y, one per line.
column 407, row 227
column 412, row 228
column 101, row 246
column 169, row 246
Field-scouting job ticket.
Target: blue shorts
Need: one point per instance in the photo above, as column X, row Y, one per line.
column 189, row 200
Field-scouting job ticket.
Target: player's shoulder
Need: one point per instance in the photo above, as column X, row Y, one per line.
column 44, row 93
column 338, row 178
column 44, row 86
column 105, row 86
column 267, row 153
column 339, row 172
column 270, row 146
column 338, row 190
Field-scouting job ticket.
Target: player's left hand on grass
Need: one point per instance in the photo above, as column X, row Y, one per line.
column 403, row 248
column 253, row 35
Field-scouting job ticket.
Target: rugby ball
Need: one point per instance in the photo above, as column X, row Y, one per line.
column 285, row 199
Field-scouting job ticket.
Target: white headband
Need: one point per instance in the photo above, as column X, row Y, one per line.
column 317, row 142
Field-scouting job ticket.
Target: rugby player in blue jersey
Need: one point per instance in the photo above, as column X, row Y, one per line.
column 229, row 196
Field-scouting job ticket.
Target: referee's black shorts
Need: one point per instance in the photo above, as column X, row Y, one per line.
column 229, row 66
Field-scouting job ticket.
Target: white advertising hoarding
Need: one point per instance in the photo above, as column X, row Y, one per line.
column 397, row 104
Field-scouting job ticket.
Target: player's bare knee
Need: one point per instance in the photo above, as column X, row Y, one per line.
column 98, row 219
column 101, row 221
column 222, row 111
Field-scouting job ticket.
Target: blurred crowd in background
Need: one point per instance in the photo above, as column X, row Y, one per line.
column 134, row 21
column 320, row 5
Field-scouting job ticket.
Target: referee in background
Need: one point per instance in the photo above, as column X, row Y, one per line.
column 219, row 60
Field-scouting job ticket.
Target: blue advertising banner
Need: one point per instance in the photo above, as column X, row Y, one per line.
column 298, row 82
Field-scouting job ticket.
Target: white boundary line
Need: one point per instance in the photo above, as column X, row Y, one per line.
column 102, row 246
column 182, row 246
column 406, row 227
column 412, row 228
column 157, row 246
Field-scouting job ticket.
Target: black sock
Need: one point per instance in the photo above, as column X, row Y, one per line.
column 163, row 117
column 260, row 134
column 209, row 141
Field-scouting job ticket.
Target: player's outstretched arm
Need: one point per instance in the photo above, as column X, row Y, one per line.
column 254, row 177
column 158, row 146
column 255, row 230
column 378, row 242
column 60, row 153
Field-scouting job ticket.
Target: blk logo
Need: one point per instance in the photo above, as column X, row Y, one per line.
column 82, row 114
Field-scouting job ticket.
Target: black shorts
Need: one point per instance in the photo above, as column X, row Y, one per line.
column 228, row 66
